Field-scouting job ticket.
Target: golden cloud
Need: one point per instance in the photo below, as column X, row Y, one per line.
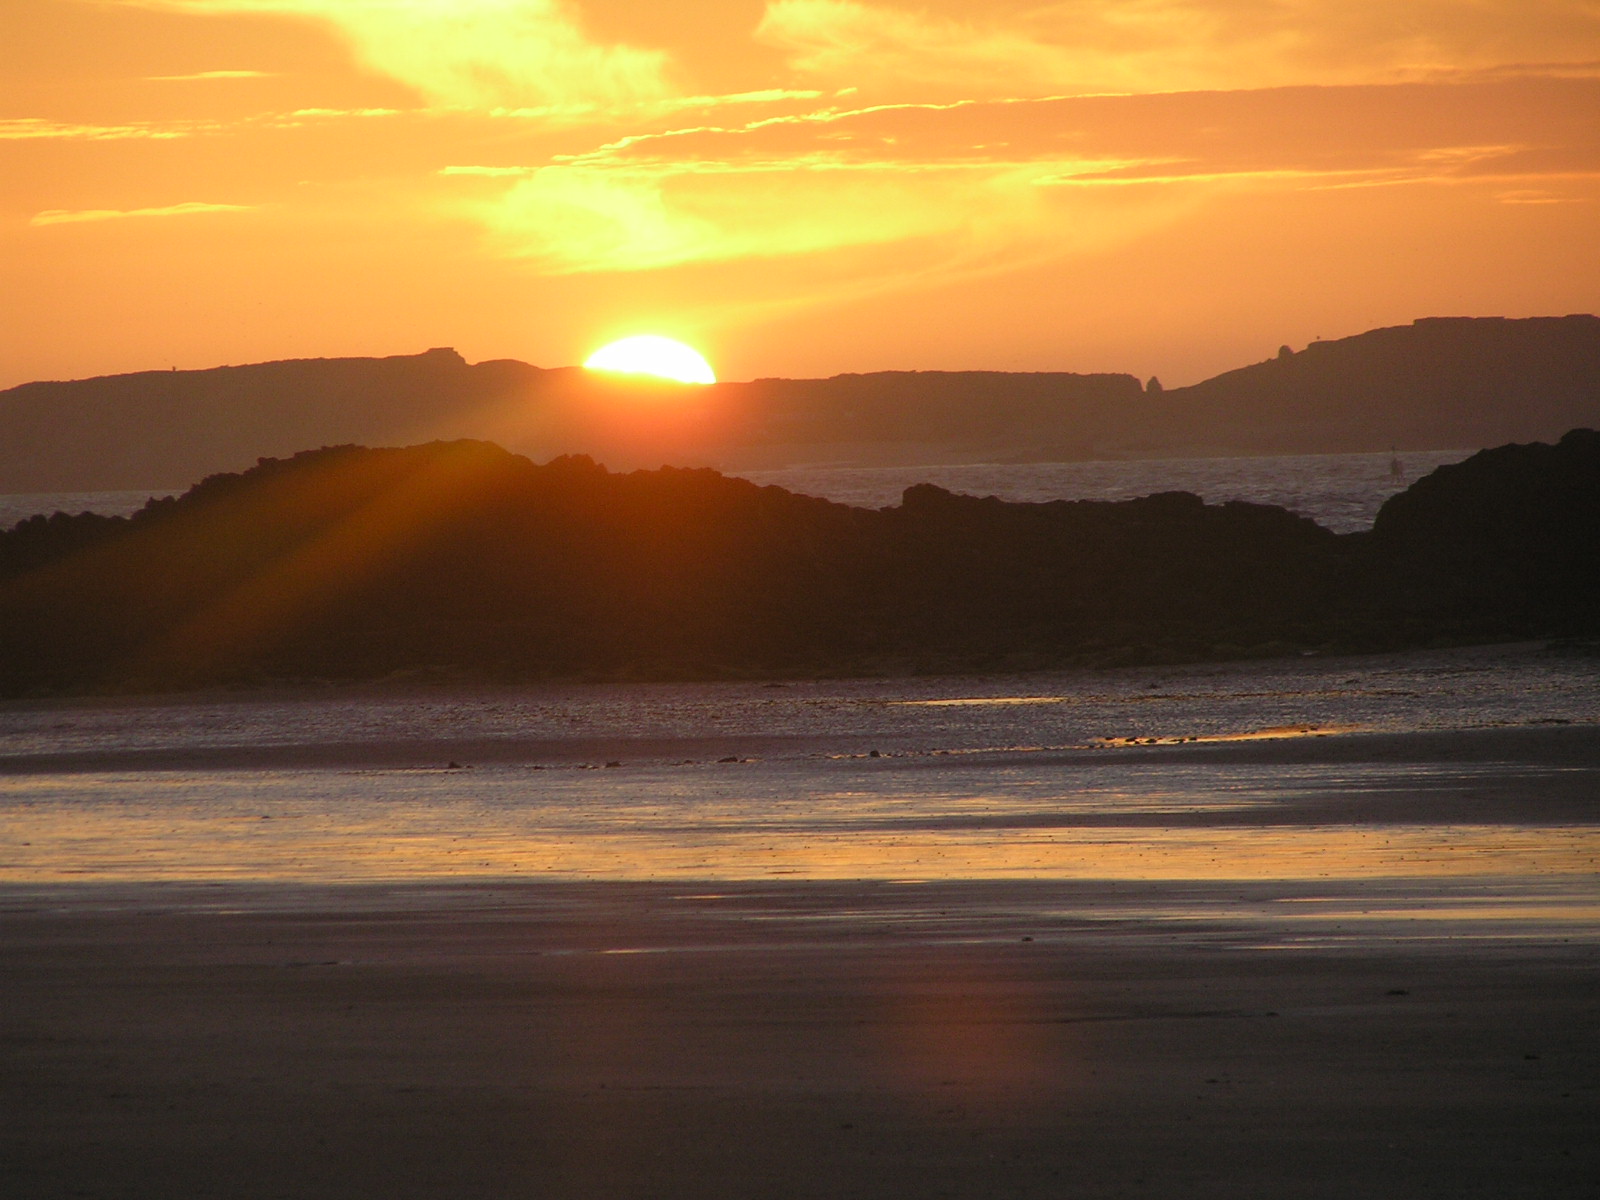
column 27, row 129
column 1095, row 46
column 476, row 53
column 998, row 176
column 199, row 76
column 1436, row 128
column 24, row 129
column 57, row 216
column 866, row 44
column 583, row 218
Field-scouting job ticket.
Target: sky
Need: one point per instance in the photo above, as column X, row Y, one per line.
column 795, row 187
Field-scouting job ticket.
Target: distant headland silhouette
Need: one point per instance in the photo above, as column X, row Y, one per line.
column 1439, row 383
column 461, row 561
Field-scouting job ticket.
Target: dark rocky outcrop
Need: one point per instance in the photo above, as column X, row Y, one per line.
column 462, row 559
column 1510, row 538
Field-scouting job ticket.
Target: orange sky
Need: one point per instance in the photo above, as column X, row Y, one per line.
column 797, row 187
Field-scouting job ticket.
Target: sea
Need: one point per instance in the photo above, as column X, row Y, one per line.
column 1342, row 492
column 1398, row 800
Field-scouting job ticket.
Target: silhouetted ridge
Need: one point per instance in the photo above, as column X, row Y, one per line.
column 1441, row 383
column 165, row 428
column 462, row 559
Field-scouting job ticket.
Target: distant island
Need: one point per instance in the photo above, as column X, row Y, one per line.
column 1439, row 383
column 462, row 561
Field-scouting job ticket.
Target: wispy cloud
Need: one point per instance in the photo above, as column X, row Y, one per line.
column 573, row 219
column 841, row 39
column 1515, row 70
column 666, row 106
column 1091, row 46
column 763, row 96
column 42, row 128
column 203, row 75
column 312, row 116
column 1012, row 173
column 60, row 216
column 1538, row 196
column 477, row 53
column 1439, row 128
column 488, row 172
column 35, row 128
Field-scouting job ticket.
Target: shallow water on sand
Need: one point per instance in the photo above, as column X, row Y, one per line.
column 1348, row 772
column 794, row 820
column 573, row 724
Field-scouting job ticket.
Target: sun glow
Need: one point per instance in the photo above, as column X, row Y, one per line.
column 648, row 354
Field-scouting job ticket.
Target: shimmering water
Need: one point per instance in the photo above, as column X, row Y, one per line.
column 894, row 781
column 1470, row 688
column 1340, row 491
column 766, row 820
column 22, row 505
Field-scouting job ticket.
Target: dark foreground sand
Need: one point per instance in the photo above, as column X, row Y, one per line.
column 805, row 1040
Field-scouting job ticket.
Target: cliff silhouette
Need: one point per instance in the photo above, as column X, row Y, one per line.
column 164, row 429
column 1440, row 383
column 462, row 560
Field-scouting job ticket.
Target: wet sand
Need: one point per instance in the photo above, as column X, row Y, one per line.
column 806, row 1040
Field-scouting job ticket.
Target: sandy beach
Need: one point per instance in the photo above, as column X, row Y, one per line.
column 1006, row 956
column 798, row 1041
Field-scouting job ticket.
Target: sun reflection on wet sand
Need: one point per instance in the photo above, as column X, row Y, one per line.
column 1022, row 822
column 157, row 848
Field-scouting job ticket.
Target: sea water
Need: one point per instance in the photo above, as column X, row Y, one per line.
column 1342, row 492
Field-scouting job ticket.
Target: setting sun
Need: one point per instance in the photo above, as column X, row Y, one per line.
column 649, row 354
